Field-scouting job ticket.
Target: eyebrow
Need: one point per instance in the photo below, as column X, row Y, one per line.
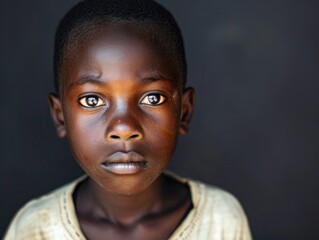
column 83, row 81
column 154, row 75
column 91, row 80
column 155, row 78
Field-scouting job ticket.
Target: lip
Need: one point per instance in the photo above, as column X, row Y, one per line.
column 124, row 163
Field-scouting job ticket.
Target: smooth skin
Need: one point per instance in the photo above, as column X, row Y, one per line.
column 122, row 106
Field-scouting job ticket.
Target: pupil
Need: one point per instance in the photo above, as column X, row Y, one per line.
column 153, row 98
column 91, row 101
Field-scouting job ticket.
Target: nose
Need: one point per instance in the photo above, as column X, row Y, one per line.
column 124, row 127
column 124, row 132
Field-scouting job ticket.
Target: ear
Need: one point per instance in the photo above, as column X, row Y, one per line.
column 188, row 100
column 57, row 114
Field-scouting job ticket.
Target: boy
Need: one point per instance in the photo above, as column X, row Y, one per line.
column 121, row 101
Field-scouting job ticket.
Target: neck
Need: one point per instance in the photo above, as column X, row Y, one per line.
column 124, row 209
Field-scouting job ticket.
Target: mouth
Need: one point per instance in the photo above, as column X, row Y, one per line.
column 123, row 168
column 122, row 163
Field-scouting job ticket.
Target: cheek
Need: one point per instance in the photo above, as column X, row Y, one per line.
column 162, row 132
column 84, row 134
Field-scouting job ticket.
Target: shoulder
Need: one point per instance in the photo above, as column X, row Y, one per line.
column 216, row 214
column 39, row 215
column 219, row 212
column 224, row 203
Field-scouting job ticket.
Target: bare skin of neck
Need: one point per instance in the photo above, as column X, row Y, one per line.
column 153, row 214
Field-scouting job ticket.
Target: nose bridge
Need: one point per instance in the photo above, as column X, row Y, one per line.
column 123, row 124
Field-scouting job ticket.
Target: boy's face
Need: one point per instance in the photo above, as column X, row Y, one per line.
column 122, row 107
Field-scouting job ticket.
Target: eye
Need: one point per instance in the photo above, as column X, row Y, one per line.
column 153, row 99
column 91, row 101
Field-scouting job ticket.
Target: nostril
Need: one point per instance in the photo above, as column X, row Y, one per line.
column 123, row 137
column 115, row 137
column 134, row 136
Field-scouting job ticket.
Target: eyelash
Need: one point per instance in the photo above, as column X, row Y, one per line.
column 94, row 101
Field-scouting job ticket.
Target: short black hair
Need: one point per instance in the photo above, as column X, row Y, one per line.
column 154, row 19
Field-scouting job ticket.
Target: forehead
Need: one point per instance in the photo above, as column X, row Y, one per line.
column 122, row 48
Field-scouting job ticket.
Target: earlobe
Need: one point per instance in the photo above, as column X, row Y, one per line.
column 57, row 114
column 188, row 101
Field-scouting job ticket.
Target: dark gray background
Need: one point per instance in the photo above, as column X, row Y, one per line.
column 255, row 65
